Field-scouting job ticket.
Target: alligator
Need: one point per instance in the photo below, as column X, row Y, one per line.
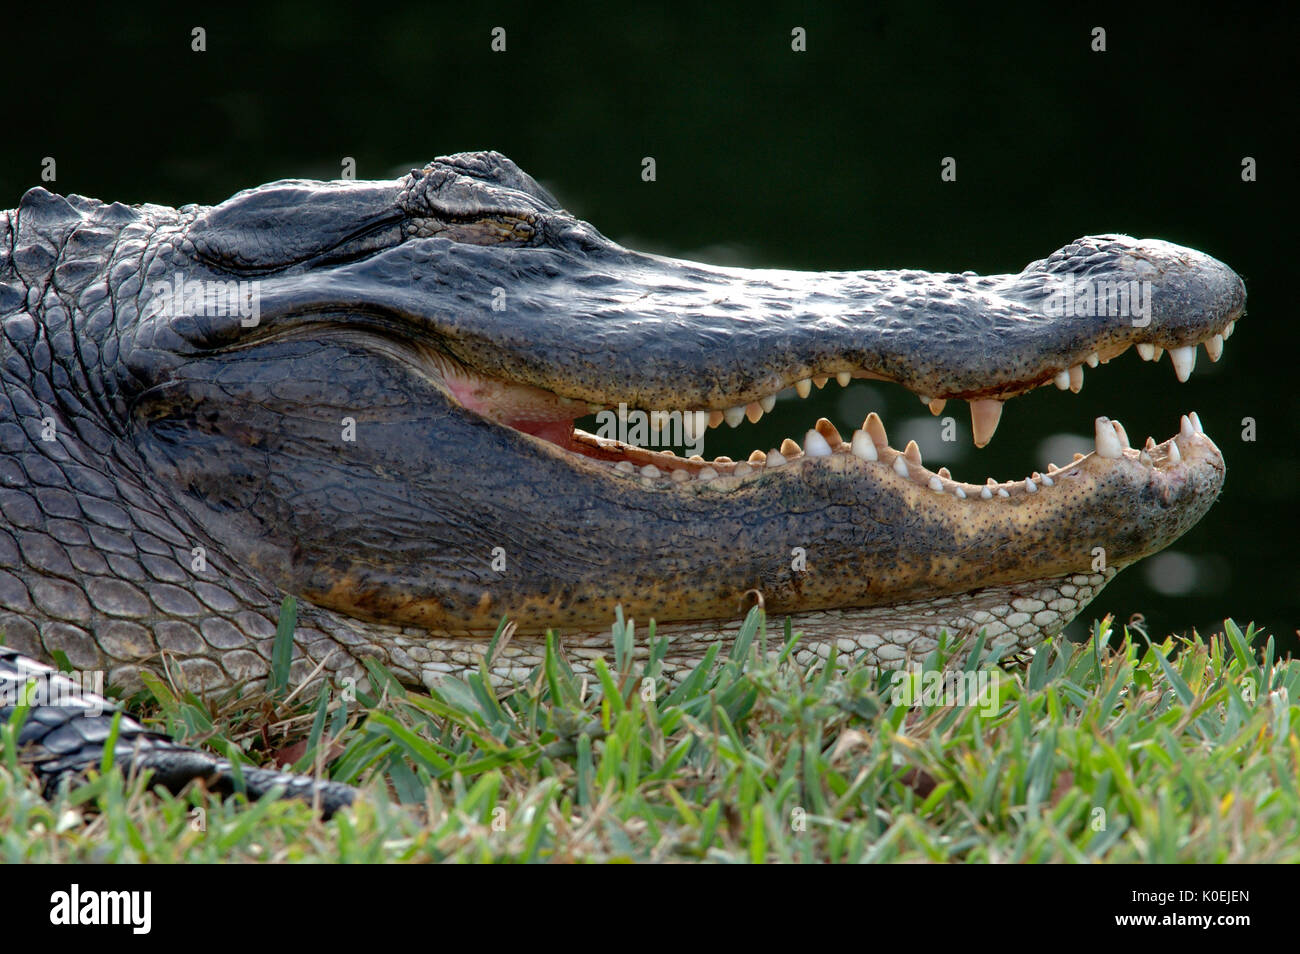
column 365, row 394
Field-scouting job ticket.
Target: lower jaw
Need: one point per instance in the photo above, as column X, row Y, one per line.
column 1012, row 618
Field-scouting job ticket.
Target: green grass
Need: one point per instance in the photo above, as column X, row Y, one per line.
column 1087, row 755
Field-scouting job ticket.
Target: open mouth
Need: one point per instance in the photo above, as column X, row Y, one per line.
column 551, row 418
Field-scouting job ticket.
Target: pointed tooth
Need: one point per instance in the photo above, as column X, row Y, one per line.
column 874, row 426
column 827, row 430
column 1214, row 347
column 743, row 469
column 733, row 416
column 1002, row 492
column 936, row 484
column 959, row 492
column 1076, row 378
column 1196, row 421
column 844, row 377
column 945, row 473
column 864, row 448
column 803, row 387
column 1157, row 354
column 913, row 453
column 1184, row 360
column 1108, row 445
column 1062, row 381
column 1078, row 456
column 1145, row 459
column 715, row 418
column 1175, row 455
column 775, row 458
column 984, row 416
column 1030, row 486
column 1093, row 360
column 758, row 457
column 1047, row 481
column 767, row 403
column 820, row 380
column 1121, row 434
column 814, row 445
column 1150, row 445
column 707, row 473
column 1147, row 352
column 790, row 450
column 900, row 466
column 1185, row 428
column 753, row 411
column 1227, row 330
column 987, row 493
column 936, row 406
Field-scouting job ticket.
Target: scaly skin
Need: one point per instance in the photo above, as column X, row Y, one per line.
column 167, row 475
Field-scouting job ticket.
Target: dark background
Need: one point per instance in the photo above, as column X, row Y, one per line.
column 823, row 159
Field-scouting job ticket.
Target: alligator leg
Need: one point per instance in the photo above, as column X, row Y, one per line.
column 66, row 728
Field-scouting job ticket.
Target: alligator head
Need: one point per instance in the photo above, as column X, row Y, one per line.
column 365, row 394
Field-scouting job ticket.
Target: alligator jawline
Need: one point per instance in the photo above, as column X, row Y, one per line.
column 551, row 419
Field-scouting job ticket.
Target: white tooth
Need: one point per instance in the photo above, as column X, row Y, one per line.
column 1147, row 352
column 753, row 411
column 733, row 416
column 1047, row 481
column 1214, row 347
column 925, row 400
column 814, row 445
column 803, row 388
column 1157, row 354
column 1196, row 421
column 1227, row 330
column 1184, row 359
column 960, row 493
column 1002, row 492
column 1093, row 360
column 1108, row 445
column 984, row 416
column 1185, row 428
column 1062, row 381
column 774, row 458
column 900, row 466
column 987, row 493
column 1076, row 378
column 1031, row 486
column 679, row 475
column 844, row 377
column 707, row 473
column 864, row 448
column 1175, row 455
column 650, row 470
column 625, row 467
column 767, row 403
column 743, row 469
column 1121, row 434
column 936, row 484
